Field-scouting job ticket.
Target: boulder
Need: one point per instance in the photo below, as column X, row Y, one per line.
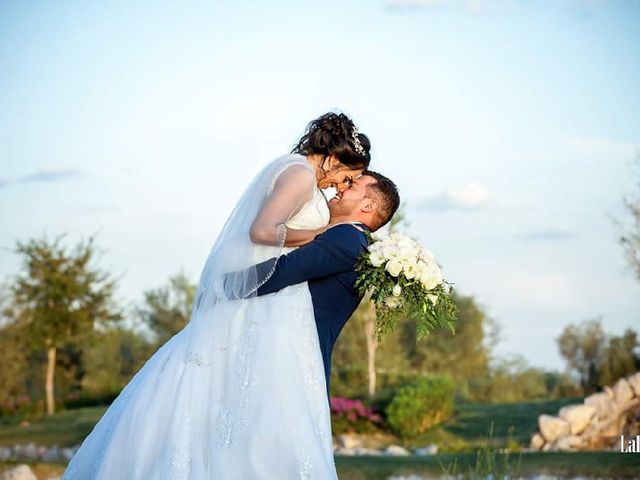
column 52, row 455
column 537, row 442
column 622, row 391
column 349, row 441
column 578, row 416
column 21, row 472
column 634, row 383
column 553, row 428
column 603, row 403
column 428, row 450
column 569, row 443
column 396, row 451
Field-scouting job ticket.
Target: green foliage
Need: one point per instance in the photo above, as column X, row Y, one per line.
column 464, row 357
column 418, row 406
column 110, row 359
column 489, row 463
column 598, row 359
column 167, row 309
column 415, row 304
column 510, row 379
column 58, row 294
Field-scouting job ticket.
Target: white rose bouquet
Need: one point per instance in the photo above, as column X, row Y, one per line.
column 403, row 277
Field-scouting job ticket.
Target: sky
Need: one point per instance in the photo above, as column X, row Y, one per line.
column 510, row 127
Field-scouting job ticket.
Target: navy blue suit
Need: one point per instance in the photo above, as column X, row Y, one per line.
column 327, row 264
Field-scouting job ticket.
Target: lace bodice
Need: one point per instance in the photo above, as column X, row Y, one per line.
column 313, row 214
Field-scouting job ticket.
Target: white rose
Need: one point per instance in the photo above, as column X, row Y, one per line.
column 376, row 259
column 431, row 277
column 433, row 298
column 392, row 302
column 394, row 267
column 410, row 269
column 397, row 290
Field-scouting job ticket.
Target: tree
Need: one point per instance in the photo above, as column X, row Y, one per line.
column 581, row 346
column 630, row 240
column 618, row 358
column 464, row 356
column 167, row 309
column 59, row 296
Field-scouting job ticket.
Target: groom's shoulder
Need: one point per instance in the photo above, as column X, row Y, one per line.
column 347, row 236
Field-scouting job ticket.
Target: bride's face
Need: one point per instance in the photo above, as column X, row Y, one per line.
column 338, row 175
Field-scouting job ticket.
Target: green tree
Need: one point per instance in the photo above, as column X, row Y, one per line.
column 111, row 358
column 167, row 309
column 57, row 297
column 618, row 358
column 464, row 357
column 630, row 240
column 581, row 346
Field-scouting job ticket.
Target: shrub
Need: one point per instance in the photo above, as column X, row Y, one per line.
column 349, row 415
column 419, row 406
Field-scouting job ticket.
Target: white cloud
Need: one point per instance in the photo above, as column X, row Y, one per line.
column 471, row 196
column 469, row 6
column 587, row 148
column 550, row 234
column 50, row 174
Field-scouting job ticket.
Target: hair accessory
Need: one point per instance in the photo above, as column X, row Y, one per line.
column 356, row 141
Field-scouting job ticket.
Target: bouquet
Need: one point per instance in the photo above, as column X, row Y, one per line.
column 403, row 279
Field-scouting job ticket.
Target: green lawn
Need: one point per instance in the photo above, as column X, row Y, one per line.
column 466, row 431
column 468, row 428
column 590, row 464
column 65, row 428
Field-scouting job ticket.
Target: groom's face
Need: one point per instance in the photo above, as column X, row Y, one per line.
column 352, row 198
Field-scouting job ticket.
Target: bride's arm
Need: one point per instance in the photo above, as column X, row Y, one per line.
column 292, row 189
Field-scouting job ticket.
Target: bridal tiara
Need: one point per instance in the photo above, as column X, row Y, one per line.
column 356, row 141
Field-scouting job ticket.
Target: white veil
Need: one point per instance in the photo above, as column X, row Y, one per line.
column 276, row 194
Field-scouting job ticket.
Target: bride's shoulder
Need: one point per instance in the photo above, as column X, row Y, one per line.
column 292, row 166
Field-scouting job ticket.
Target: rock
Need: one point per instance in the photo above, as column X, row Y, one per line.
column 578, row 416
column 349, row 441
column 569, row 443
column 5, row 454
column 428, row 450
column 68, row 453
column 395, row 451
column 366, row 451
column 552, row 428
column 602, row 402
column 344, row 451
column 609, row 391
column 537, row 441
column 634, row 383
column 21, row 472
column 52, row 455
column 622, row 391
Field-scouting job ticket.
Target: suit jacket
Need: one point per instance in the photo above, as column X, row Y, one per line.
column 327, row 265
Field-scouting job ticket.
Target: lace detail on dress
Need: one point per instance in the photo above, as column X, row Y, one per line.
column 234, row 409
column 180, row 462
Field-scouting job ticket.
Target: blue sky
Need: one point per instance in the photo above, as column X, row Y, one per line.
column 511, row 129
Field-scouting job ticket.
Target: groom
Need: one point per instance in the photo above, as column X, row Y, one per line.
column 327, row 263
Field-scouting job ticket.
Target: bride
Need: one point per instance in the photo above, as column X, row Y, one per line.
column 239, row 393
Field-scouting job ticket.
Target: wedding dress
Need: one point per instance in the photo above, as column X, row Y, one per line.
column 239, row 393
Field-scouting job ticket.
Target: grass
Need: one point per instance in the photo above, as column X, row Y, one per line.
column 466, row 431
column 588, row 464
column 64, row 428
column 471, row 423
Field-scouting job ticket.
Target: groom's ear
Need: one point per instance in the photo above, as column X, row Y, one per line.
column 369, row 205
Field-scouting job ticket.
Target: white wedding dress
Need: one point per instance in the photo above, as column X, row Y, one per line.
column 255, row 408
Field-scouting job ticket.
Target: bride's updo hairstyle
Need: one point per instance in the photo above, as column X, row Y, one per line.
column 335, row 134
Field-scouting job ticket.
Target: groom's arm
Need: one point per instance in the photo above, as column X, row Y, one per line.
column 332, row 252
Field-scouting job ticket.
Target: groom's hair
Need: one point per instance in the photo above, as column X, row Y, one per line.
column 386, row 194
